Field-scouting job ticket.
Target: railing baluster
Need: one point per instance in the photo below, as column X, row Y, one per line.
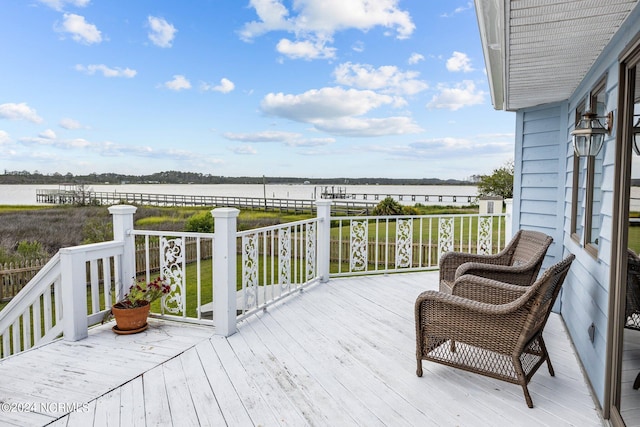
column 15, row 328
column 95, row 284
column 106, row 287
column 48, row 315
column 26, row 329
column 199, row 277
column 37, row 326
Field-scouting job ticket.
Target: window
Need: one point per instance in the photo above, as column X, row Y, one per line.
column 587, row 180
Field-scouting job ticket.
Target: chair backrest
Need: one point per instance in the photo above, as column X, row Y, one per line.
column 543, row 294
column 531, row 245
column 632, row 303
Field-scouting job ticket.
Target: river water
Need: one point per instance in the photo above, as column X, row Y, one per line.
column 26, row 194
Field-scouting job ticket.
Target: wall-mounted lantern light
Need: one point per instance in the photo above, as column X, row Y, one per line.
column 636, row 135
column 589, row 133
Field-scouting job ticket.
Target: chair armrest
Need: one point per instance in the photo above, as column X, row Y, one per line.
column 450, row 261
column 486, row 290
column 522, row 275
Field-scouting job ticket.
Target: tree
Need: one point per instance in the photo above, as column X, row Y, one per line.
column 389, row 206
column 499, row 183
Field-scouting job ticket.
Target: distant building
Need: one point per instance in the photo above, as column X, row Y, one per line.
column 490, row 205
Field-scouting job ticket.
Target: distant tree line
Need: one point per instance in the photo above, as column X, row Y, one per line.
column 178, row 177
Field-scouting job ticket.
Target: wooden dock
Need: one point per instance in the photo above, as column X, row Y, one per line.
column 341, row 193
column 69, row 197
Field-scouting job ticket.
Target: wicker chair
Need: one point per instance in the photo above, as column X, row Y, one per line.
column 632, row 303
column 489, row 327
column 518, row 263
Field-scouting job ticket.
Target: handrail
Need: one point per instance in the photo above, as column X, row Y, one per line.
column 36, row 286
column 36, row 315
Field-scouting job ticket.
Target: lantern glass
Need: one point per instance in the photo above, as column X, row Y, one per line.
column 588, row 136
column 636, row 137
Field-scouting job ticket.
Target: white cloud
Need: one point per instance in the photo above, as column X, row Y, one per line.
column 80, row 30
column 325, row 103
column 178, row 83
column 305, row 49
column 225, row 86
column 111, row 149
column 67, row 123
column 162, row 33
column 415, row 58
column 291, row 139
column 59, row 4
column 459, row 62
column 47, row 134
column 358, row 46
column 369, row 127
column 244, row 150
column 273, row 16
column 387, row 78
column 4, row 137
column 314, row 22
column 443, row 148
column 48, row 138
column 458, row 10
column 311, row 142
column 265, row 136
column 77, row 143
column 328, row 16
column 106, row 71
column 19, row 112
column 336, row 110
column 463, row 94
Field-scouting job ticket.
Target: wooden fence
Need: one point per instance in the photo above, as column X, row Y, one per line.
column 14, row 276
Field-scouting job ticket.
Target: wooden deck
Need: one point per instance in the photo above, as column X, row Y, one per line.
column 338, row 354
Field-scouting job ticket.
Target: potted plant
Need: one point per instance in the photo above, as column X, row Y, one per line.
column 132, row 310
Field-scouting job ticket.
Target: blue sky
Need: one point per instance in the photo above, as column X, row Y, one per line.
column 313, row 88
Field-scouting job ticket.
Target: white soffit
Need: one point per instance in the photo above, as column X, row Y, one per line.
column 547, row 46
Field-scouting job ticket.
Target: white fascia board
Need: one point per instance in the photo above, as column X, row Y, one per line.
column 491, row 22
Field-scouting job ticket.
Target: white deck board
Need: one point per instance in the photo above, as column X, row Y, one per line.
column 340, row 353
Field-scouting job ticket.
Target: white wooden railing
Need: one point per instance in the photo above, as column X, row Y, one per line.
column 384, row 244
column 77, row 287
column 276, row 261
column 21, row 327
column 191, row 282
column 74, row 290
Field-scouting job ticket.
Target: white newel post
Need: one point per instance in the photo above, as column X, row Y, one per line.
column 74, row 294
column 508, row 223
column 324, row 238
column 224, row 270
column 122, row 225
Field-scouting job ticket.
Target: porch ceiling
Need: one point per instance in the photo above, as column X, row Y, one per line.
column 538, row 51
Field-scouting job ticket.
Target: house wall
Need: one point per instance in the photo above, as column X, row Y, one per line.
column 538, row 164
column 542, row 201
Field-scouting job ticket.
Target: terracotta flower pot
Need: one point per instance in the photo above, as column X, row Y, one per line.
column 130, row 320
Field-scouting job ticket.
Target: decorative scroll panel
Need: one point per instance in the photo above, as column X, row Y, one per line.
column 171, row 271
column 310, row 255
column 445, row 235
column 359, row 245
column 404, row 241
column 485, row 235
column 284, row 258
column 250, row 270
